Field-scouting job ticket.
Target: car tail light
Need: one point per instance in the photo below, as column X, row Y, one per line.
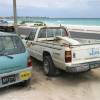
column 68, row 56
column 29, row 63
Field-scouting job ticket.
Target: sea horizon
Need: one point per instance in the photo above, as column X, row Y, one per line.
column 53, row 20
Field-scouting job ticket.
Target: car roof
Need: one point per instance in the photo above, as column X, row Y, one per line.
column 7, row 34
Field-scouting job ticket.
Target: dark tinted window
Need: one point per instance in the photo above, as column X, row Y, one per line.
column 11, row 45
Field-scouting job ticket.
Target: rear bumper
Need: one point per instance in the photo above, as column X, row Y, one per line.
column 20, row 76
column 83, row 66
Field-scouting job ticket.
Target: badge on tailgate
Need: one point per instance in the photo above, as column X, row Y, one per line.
column 95, row 52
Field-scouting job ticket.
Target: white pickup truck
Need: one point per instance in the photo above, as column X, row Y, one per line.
column 55, row 47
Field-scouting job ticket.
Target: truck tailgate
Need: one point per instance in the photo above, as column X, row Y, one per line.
column 86, row 53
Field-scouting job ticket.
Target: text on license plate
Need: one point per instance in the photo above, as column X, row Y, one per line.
column 8, row 79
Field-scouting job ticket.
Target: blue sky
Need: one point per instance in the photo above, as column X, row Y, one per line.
column 53, row 8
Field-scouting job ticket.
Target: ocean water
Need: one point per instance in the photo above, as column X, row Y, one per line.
column 69, row 21
column 76, row 21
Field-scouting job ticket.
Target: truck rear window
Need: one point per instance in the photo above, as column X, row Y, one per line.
column 11, row 45
column 51, row 32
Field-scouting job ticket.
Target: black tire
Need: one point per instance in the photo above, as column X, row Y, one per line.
column 49, row 67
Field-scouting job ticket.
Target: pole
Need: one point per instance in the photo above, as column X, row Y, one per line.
column 15, row 14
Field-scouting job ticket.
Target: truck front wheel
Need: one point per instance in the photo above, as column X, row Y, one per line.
column 49, row 67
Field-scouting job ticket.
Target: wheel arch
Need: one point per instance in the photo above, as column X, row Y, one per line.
column 46, row 53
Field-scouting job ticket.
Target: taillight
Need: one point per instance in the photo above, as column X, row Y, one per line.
column 68, row 56
column 29, row 63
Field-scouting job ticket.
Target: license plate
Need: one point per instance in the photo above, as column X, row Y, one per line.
column 83, row 67
column 25, row 75
column 8, row 79
column 94, row 65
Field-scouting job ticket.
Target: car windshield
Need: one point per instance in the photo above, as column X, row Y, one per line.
column 11, row 45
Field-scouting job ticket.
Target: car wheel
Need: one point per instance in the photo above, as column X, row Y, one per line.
column 49, row 67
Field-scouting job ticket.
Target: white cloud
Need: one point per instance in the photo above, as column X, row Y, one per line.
column 63, row 4
column 75, row 5
column 52, row 4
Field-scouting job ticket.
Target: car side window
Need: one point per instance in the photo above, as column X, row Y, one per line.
column 42, row 33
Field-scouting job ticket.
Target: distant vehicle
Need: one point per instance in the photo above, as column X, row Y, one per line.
column 3, row 22
column 54, row 46
column 30, row 23
column 15, row 63
column 6, row 26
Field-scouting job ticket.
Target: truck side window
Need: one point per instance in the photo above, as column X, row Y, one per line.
column 32, row 34
column 42, row 33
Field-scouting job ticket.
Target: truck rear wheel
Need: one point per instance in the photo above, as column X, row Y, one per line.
column 49, row 67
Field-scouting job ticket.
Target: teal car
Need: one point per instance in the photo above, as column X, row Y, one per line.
column 15, row 62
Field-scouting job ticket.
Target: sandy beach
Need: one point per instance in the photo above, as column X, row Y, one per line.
column 84, row 86
column 84, row 28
